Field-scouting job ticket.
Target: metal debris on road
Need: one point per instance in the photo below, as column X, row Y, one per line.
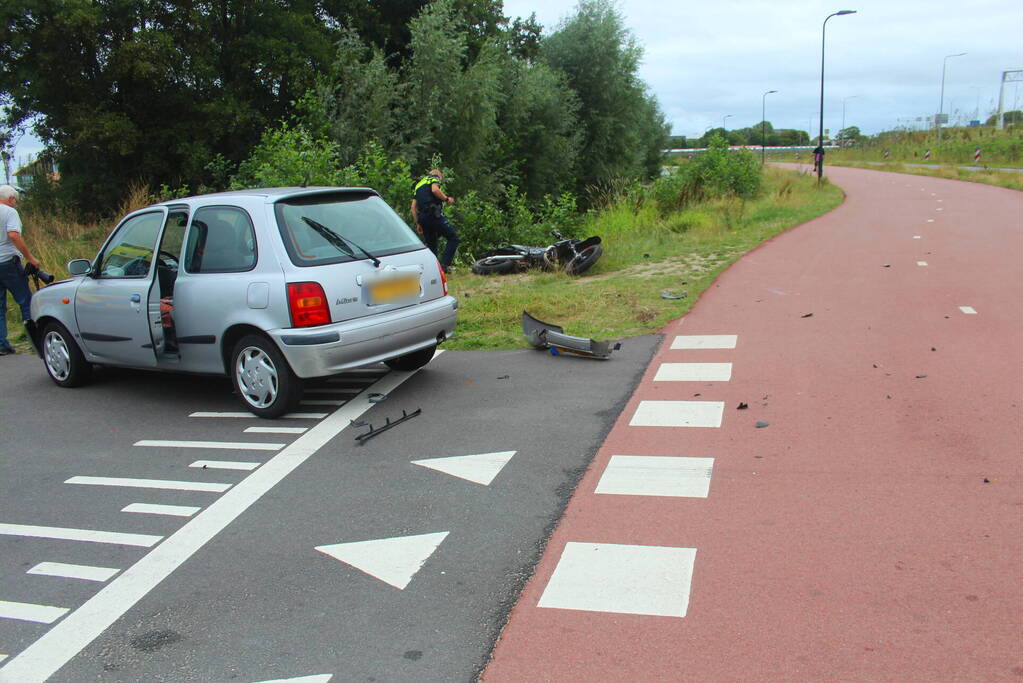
column 808, row 315
column 742, row 406
column 761, row 424
column 668, row 295
column 377, row 398
column 547, row 336
column 363, row 438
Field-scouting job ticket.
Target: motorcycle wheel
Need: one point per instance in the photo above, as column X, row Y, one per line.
column 586, row 258
column 493, row 266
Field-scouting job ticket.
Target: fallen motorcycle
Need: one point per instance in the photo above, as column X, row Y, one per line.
column 574, row 256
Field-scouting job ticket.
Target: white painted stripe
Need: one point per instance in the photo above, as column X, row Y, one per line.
column 58, row 645
column 316, row 678
column 968, row 310
column 227, row 445
column 335, row 390
column 155, row 509
column 88, row 535
column 73, row 571
column 225, row 465
column 705, row 341
column 3, row 657
column 921, row 263
column 627, row 579
column 652, row 475
column 694, row 372
column 276, row 430
column 167, row 484
column 322, row 402
column 678, row 414
column 930, row 220
column 291, row 416
column 916, row 237
column 24, row 611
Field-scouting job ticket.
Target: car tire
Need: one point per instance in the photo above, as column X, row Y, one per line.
column 263, row 378
column 493, row 266
column 412, row 361
column 64, row 360
column 586, row 258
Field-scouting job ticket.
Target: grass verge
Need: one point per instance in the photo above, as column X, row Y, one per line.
column 644, row 255
column 1008, row 179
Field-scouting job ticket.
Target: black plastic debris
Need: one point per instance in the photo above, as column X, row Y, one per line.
column 742, row 406
column 363, row 438
column 808, row 315
column 547, row 336
column 668, row 295
column 377, row 398
column 921, row 376
column 986, row 480
column 504, row 377
column 887, row 265
column 761, row 424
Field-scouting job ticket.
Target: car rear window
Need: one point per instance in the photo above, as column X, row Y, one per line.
column 334, row 228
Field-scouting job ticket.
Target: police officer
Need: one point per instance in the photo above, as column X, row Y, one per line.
column 428, row 200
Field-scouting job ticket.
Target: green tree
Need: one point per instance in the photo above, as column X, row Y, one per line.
column 623, row 129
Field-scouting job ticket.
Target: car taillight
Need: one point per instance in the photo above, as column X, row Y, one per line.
column 443, row 278
column 308, row 304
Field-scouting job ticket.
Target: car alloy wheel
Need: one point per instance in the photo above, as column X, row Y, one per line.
column 257, row 377
column 57, row 356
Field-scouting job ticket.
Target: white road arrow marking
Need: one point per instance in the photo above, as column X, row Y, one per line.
column 480, row 469
column 392, row 560
column 319, row 678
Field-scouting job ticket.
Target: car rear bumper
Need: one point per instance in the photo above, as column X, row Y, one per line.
column 330, row 349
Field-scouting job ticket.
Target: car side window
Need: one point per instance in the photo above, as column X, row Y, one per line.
column 130, row 252
column 221, row 240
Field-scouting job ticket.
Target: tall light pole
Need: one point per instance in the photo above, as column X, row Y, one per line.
column 820, row 135
column 725, row 118
column 941, row 99
column 763, row 125
column 844, row 100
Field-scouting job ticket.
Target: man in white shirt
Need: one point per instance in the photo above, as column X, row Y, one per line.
column 12, row 274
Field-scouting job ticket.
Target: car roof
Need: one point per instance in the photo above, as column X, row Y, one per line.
column 266, row 193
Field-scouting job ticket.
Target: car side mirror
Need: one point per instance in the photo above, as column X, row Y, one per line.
column 79, row 266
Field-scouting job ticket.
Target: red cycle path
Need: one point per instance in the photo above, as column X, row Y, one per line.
column 874, row 530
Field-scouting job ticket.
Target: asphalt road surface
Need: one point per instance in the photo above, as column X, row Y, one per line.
column 289, row 555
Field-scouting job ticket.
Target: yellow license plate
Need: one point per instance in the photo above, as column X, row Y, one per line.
column 394, row 289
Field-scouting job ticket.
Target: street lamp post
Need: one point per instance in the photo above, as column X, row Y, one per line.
column 725, row 118
column 941, row 98
column 820, row 135
column 763, row 126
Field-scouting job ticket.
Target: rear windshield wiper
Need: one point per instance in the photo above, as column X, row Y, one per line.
column 339, row 241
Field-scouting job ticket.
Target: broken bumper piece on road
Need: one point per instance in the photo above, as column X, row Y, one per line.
column 547, row 336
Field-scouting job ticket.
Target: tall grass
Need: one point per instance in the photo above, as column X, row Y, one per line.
column 955, row 146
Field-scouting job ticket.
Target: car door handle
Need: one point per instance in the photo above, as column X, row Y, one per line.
column 136, row 299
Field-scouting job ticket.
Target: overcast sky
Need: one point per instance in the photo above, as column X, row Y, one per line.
column 705, row 60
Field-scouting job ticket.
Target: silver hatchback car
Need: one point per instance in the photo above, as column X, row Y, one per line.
column 268, row 286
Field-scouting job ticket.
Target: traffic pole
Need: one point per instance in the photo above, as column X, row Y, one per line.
column 927, row 155
column 976, row 155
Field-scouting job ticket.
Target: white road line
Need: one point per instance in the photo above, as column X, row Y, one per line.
column 227, row 445
column 693, row 372
column 225, row 465
column 155, row 509
column 88, row 535
column 678, row 414
column 166, row 484
column 322, row 402
column 291, row 416
column 328, row 390
column 705, row 341
column 276, row 430
column 654, row 475
column 628, row 579
column 24, row 611
column 968, row 310
column 57, row 646
column 3, row 657
column 921, row 263
column 73, row 571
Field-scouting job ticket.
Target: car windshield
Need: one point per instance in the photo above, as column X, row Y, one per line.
column 334, row 228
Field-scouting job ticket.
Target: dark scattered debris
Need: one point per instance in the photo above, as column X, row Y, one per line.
column 742, row 406
column 697, row 394
column 761, row 424
column 921, row 376
column 986, row 480
column 377, row 398
column 807, row 315
column 933, row 349
column 887, row 265
column 363, row 438
column 504, row 377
